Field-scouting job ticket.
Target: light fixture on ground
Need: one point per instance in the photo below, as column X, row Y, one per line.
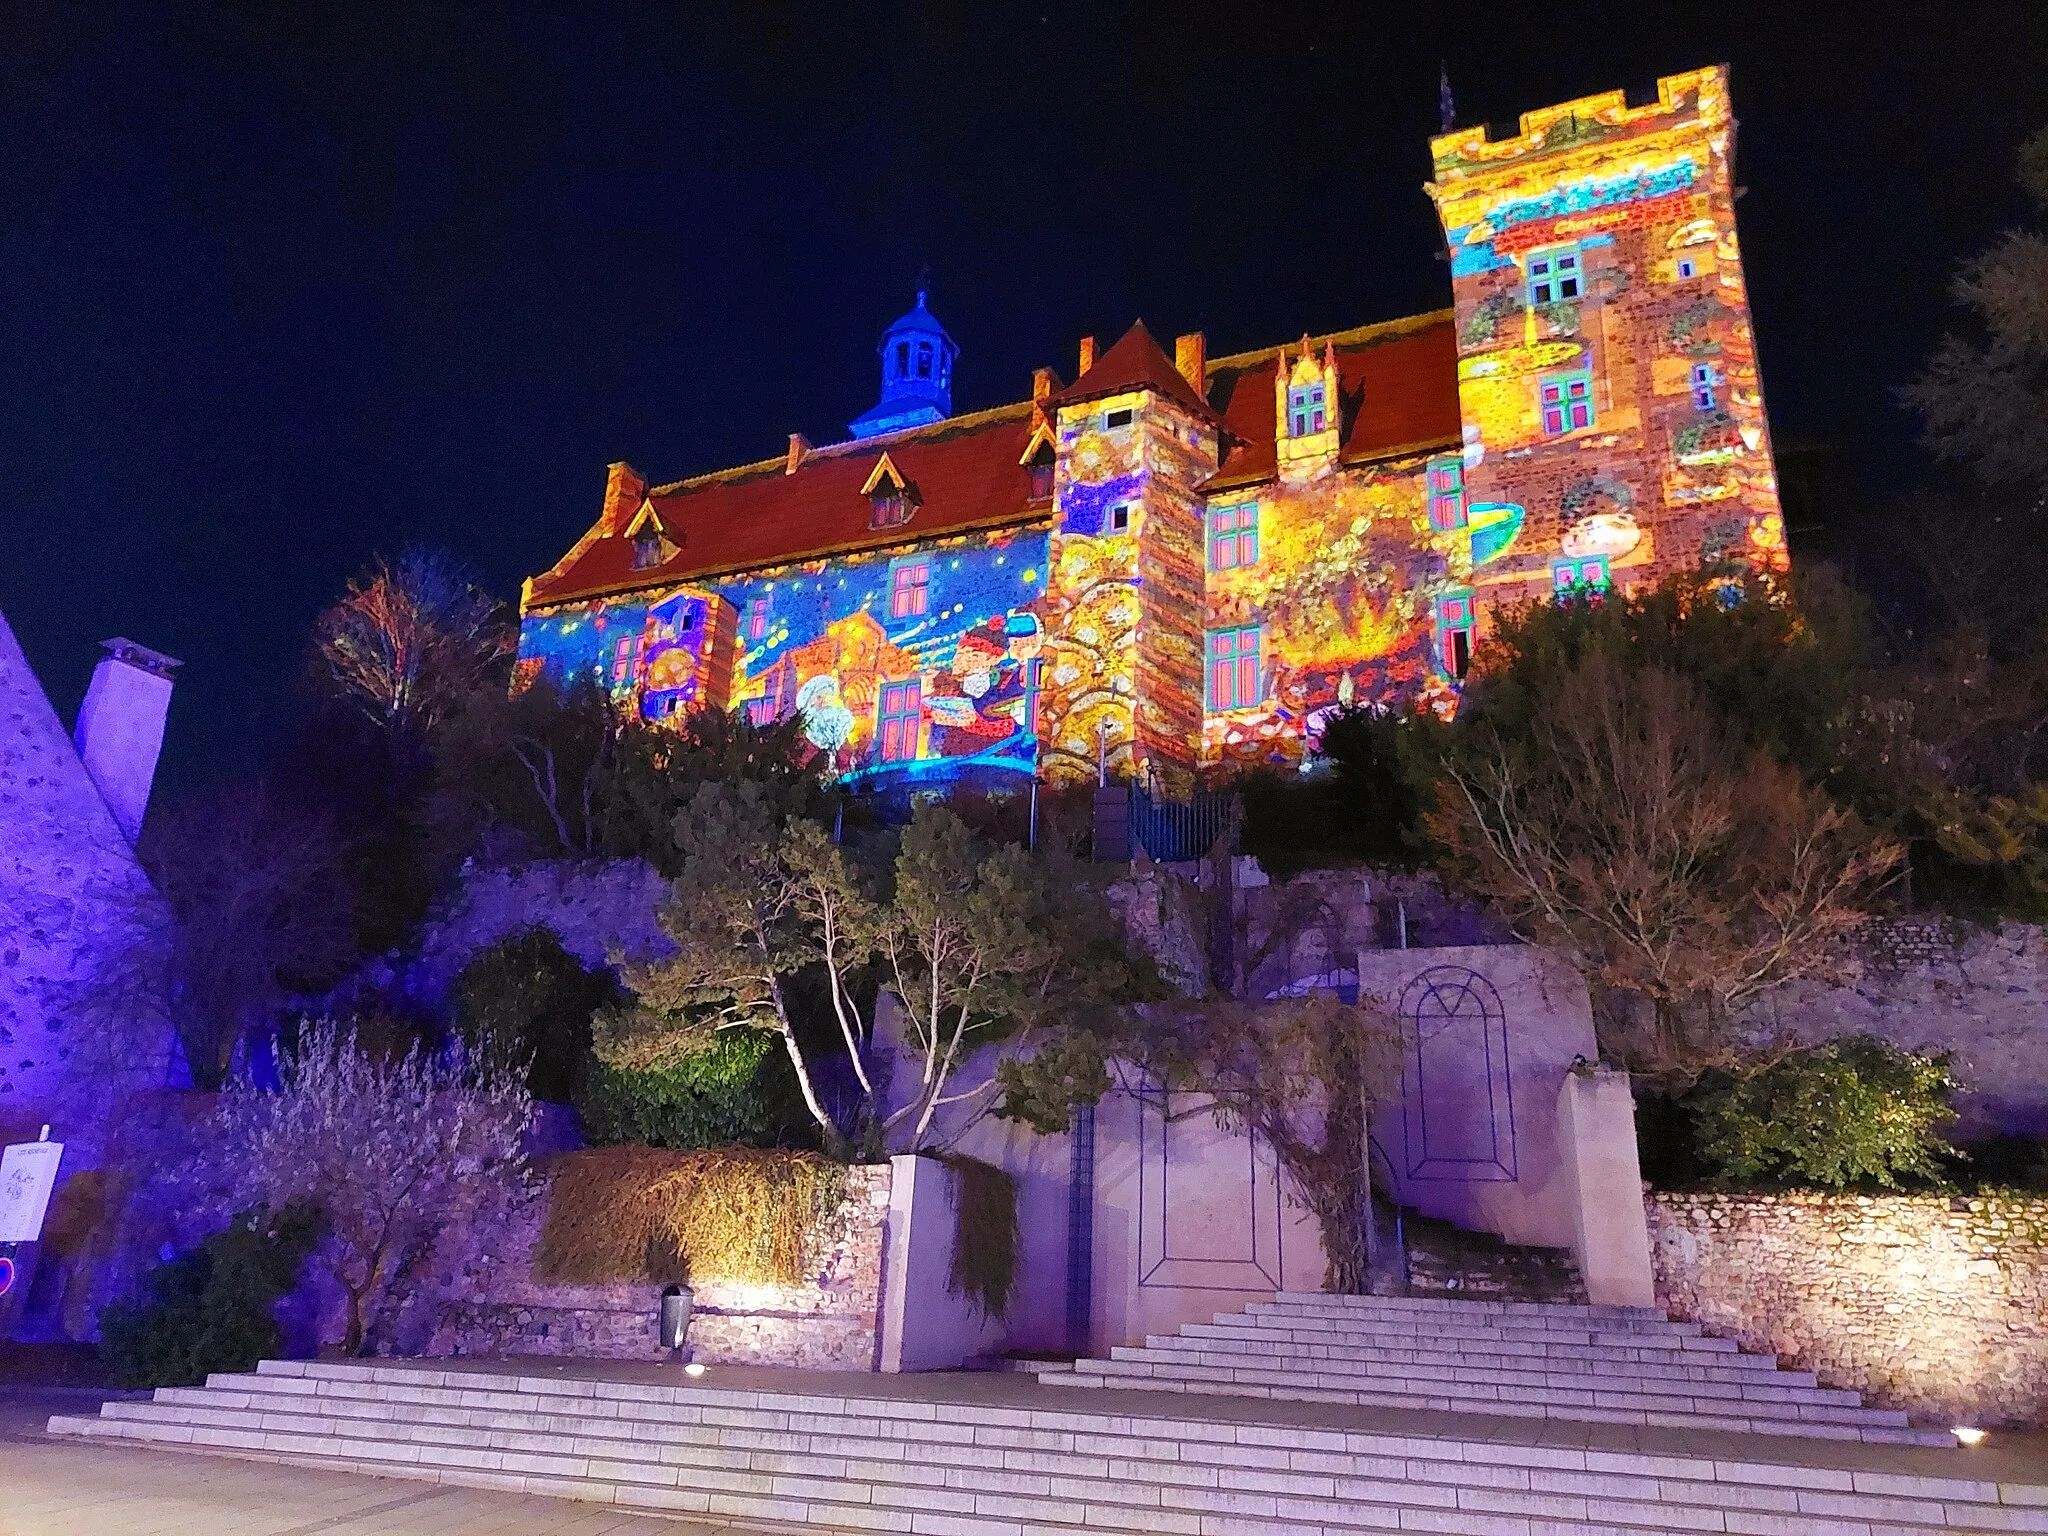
column 1968, row 1435
column 694, row 1368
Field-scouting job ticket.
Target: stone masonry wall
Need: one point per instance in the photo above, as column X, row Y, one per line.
column 1927, row 1303
column 1934, row 986
column 487, row 1301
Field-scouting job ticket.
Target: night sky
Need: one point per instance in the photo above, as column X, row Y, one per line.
column 283, row 286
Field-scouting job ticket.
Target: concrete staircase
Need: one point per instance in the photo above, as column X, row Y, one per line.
column 1624, row 1365
column 968, row 1456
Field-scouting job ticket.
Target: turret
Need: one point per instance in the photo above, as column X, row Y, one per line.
column 917, row 374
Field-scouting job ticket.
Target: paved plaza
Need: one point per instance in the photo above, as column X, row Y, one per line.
column 64, row 1488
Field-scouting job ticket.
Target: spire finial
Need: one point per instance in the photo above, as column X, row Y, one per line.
column 1446, row 108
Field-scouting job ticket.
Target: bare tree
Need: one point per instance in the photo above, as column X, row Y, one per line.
column 409, row 640
column 1678, row 866
column 391, row 1152
column 258, row 896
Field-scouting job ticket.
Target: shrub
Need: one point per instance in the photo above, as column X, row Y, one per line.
column 1853, row 1111
column 527, row 1000
column 212, row 1309
column 712, row 1097
column 633, row 1213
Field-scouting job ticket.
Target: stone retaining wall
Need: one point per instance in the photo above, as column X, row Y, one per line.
column 1931, row 1304
column 490, row 1302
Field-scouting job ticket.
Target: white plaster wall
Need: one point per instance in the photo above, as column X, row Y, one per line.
column 80, row 1011
column 1190, row 1221
column 1455, row 1097
column 924, row 1326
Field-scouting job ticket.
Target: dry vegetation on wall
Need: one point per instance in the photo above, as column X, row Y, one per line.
column 984, row 1263
column 638, row 1213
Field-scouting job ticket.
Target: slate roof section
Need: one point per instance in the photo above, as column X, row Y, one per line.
column 1398, row 387
column 1135, row 362
column 1397, row 383
column 965, row 471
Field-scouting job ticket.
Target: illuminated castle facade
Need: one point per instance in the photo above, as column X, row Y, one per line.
column 1182, row 562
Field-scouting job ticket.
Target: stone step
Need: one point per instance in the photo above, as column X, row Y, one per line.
column 1310, row 1330
column 1621, row 1408
column 1617, row 1392
column 1705, row 1381
column 1440, row 1306
column 1356, row 1321
column 975, row 1469
column 1703, row 1365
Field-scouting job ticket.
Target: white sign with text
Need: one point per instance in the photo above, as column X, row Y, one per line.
column 28, row 1172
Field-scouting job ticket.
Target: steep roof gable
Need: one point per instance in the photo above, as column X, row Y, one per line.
column 1135, row 362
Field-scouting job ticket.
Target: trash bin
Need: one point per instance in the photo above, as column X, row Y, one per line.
column 676, row 1302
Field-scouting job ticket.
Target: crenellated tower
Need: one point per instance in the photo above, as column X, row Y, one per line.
column 1607, row 371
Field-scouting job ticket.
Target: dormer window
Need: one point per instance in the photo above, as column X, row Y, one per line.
column 646, row 550
column 890, row 507
column 1307, row 412
column 1040, row 468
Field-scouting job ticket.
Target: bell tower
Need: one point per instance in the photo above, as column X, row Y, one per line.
column 917, row 374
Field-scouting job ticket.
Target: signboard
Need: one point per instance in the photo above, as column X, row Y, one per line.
column 28, row 1172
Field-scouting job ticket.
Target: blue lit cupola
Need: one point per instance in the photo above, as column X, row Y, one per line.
column 917, row 375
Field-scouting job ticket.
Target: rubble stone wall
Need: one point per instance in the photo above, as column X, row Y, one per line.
column 1933, row 1304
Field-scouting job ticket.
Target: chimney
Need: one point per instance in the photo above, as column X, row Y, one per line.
column 1191, row 360
column 624, row 489
column 1043, row 382
column 121, row 727
column 1087, row 354
column 799, row 450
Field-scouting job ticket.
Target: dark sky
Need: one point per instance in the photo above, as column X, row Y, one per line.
column 286, row 285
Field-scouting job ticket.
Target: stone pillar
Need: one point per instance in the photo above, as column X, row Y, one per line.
column 1596, row 1135
column 120, row 727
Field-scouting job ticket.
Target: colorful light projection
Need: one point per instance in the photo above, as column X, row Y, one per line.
column 908, row 666
column 1607, row 370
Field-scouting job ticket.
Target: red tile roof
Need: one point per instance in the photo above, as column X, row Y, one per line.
column 1135, row 362
column 965, row 472
column 1397, row 382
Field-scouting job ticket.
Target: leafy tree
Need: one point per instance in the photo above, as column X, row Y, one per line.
column 527, row 1003
column 213, row 1309
column 389, row 1152
column 1984, row 396
column 258, row 897
column 973, row 944
column 1677, row 865
column 1854, row 1111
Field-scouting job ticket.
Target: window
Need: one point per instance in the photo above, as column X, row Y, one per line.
column 1446, row 494
column 1572, row 576
column 1120, row 518
column 1687, row 267
column 1032, row 684
column 896, row 724
column 624, row 657
column 891, row 508
column 1703, row 386
column 1553, row 277
column 1041, row 470
column 1234, row 668
column 902, row 359
column 1305, row 409
column 646, row 549
column 774, row 699
column 924, row 359
column 1567, row 400
column 1234, row 537
column 907, row 583
column 1116, row 420
column 1455, row 622
column 755, row 624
